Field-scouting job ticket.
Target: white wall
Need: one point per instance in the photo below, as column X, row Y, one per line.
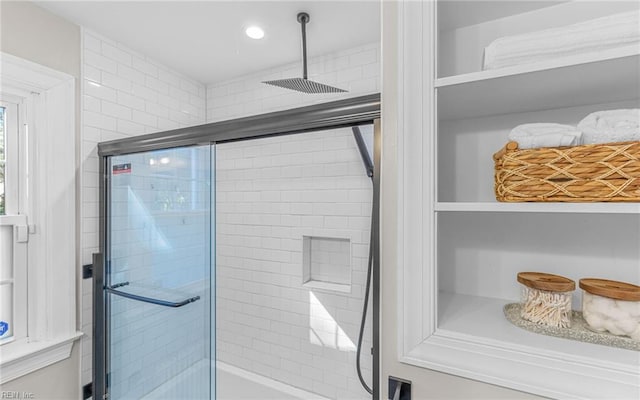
column 33, row 33
column 356, row 70
column 270, row 194
column 124, row 94
column 59, row 381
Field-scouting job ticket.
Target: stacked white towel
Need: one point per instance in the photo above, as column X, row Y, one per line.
column 533, row 136
column 618, row 30
column 611, row 126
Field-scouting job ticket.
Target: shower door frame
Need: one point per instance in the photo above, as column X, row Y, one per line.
column 331, row 115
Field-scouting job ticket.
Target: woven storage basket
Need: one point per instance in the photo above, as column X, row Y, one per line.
column 588, row 173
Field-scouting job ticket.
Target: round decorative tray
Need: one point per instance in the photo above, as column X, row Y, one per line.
column 579, row 330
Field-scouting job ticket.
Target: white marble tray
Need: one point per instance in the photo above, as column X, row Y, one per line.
column 579, row 330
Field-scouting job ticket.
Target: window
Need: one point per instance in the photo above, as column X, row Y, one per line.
column 10, row 106
column 6, row 282
column 13, row 262
column 2, row 158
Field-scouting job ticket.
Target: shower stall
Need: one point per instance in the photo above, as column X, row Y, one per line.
column 236, row 258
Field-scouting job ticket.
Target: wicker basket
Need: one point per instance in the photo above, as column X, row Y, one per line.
column 588, row 173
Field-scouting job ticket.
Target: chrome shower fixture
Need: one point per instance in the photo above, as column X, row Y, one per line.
column 303, row 84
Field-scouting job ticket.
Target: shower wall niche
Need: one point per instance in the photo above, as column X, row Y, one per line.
column 271, row 195
column 326, row 263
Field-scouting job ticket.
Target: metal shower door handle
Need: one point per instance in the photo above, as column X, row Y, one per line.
column 151, row 300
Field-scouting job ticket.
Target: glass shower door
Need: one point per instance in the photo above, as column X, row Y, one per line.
column 159, row 275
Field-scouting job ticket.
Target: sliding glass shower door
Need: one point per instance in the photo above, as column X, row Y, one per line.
column 159, row 281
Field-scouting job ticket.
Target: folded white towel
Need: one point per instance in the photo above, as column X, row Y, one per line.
column 599, row 34
column 611, row 126
column 533, row 136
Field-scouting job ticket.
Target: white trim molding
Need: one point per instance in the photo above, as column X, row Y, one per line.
column 49, row 205
column 30, row 357
column 548, row 371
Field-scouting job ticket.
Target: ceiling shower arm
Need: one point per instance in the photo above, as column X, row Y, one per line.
column 303, row 18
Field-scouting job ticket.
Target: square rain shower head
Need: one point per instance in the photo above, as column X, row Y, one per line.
column 304, row 85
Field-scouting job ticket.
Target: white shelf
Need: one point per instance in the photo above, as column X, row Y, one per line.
column 483, row 317
column 589, row 208
column 606, row 77
column 572, row 61
column 474, row 339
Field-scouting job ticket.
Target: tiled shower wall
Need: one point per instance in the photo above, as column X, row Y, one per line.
column 124, row 94
column 271, row 324
column 270, row 194
column 356, row 70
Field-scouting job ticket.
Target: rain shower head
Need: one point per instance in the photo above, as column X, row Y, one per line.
column 303, row 84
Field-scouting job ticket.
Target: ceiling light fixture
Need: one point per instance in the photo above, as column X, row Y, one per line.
column 254, row 32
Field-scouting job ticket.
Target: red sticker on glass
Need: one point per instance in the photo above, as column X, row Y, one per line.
column 122, row 169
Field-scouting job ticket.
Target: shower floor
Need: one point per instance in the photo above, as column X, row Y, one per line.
column 232, row 383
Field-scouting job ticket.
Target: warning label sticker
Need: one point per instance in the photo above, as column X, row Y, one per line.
column 122, row 169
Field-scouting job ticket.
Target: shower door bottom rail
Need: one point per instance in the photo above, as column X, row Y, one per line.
column 174, row 304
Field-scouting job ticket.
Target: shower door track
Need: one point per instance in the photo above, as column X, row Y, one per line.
column 337, row 114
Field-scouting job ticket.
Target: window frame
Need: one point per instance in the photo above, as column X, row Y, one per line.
column 45, row 228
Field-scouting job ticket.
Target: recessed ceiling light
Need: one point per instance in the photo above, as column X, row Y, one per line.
column 254, row 32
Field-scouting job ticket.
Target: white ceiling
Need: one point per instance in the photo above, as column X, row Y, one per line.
column 205, row 39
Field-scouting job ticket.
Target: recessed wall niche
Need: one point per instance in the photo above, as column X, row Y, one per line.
column 326, row 263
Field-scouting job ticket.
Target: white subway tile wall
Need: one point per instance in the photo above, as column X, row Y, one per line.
column 267, row 322
column 356, row 70
column 271, row 193
column 124, row 94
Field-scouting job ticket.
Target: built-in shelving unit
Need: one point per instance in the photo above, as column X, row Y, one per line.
column 470, row 246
